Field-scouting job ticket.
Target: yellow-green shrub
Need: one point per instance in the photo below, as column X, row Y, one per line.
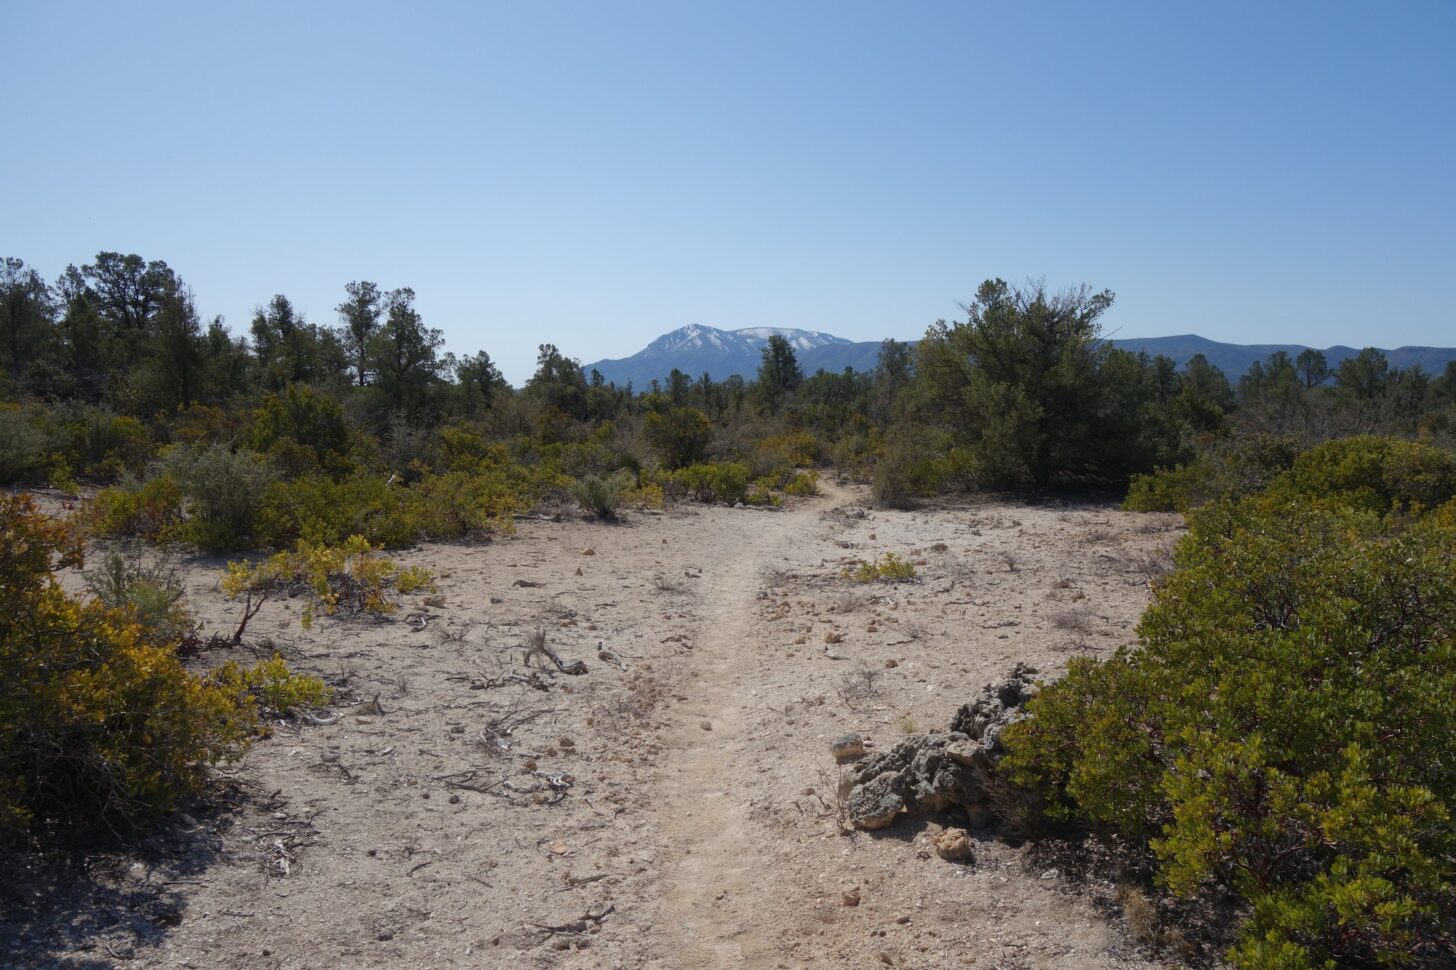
column 715, row 482
column 270, row 685
column 351, row 576
column 96, row 724
column 889, row 568
column 803, row 483
column 150, row 510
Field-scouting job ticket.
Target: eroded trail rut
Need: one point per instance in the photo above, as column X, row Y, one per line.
column 717, row 881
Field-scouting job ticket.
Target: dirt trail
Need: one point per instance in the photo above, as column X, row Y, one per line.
column 717, row 881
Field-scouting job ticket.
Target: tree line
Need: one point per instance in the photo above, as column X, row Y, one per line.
column 1023, row 391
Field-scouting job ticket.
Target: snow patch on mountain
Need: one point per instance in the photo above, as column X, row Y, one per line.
column 696, row 336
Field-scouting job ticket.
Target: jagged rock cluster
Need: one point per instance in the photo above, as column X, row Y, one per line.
column 934, row 772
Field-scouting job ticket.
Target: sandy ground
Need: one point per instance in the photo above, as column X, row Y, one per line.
column 678, row 813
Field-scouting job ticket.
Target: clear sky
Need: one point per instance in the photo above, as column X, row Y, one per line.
column 594, row 174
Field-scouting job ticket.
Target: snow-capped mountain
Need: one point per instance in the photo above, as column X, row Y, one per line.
column 696, row 337
column 697, row 349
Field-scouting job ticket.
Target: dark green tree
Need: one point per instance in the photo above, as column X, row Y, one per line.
column 558, row 383
column 359, row 317
column 1312, row 366
column 1363, row 376
column 405, row 354
column 1018, row 382
column 778, row 374
column 27, row 313
column 290, row 349
column 479, row 381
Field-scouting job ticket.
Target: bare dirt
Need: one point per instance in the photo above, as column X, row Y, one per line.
column 673, row 807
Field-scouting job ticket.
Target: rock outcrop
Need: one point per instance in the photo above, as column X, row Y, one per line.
column 934, row 772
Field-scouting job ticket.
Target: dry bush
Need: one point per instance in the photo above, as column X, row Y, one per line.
column 1079, row 621
column 1011, row 560
column 777, row 578
column 625, row 711
column 851, row 601
column 912, row 630
column 1141, row 914
column 665, row 585
column 859, row 685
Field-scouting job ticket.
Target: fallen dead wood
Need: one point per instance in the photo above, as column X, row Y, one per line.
column 579, row 925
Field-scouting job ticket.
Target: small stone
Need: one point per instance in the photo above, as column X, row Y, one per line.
column 903, row 919
column 706, row 725
column 436, row 601
column 578, row 571
column 847, row 748
column 588, row 551
column 566, row 742
column 953, row 845
column 454, row 799
column 851, row 897
column 1050, row 874
column 891, row 664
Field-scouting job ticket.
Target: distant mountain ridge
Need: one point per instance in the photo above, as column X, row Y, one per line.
column 697, row 349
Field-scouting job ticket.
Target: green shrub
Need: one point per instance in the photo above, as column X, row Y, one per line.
column 151, row 594
column 318, row 509
column 23, row 446
column 679, row 435
column 803, row 483
column 1378, row 474
column 97, row 725
column 889, row 568
column 102, row 446
column 715, row 482
column 223, row 489
column 301, row 418
column 1230, row 469
column 1283, row 729
column 910, row 466
column 599, row 496
column 150, row 510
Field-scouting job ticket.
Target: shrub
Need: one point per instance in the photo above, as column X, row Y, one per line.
column 223, row 489
column 679, row 435
column 471, row 503
column 715, row 482
column 274, row 688
column 1378, row 474
column 350, row 577
column 318, row 509
column 890, row 568
column 152, row 595
column 22, row 446
column 303, row 418
column 599, row 496
column 104, row 446
column 96, row 724
column 149, row 510
column 1283, row 730
column 1232, row 469
column 909, row 466
column 803, row 483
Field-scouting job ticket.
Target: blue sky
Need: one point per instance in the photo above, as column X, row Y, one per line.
column 595, row 174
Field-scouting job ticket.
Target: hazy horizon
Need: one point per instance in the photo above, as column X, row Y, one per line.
column 595, row 176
